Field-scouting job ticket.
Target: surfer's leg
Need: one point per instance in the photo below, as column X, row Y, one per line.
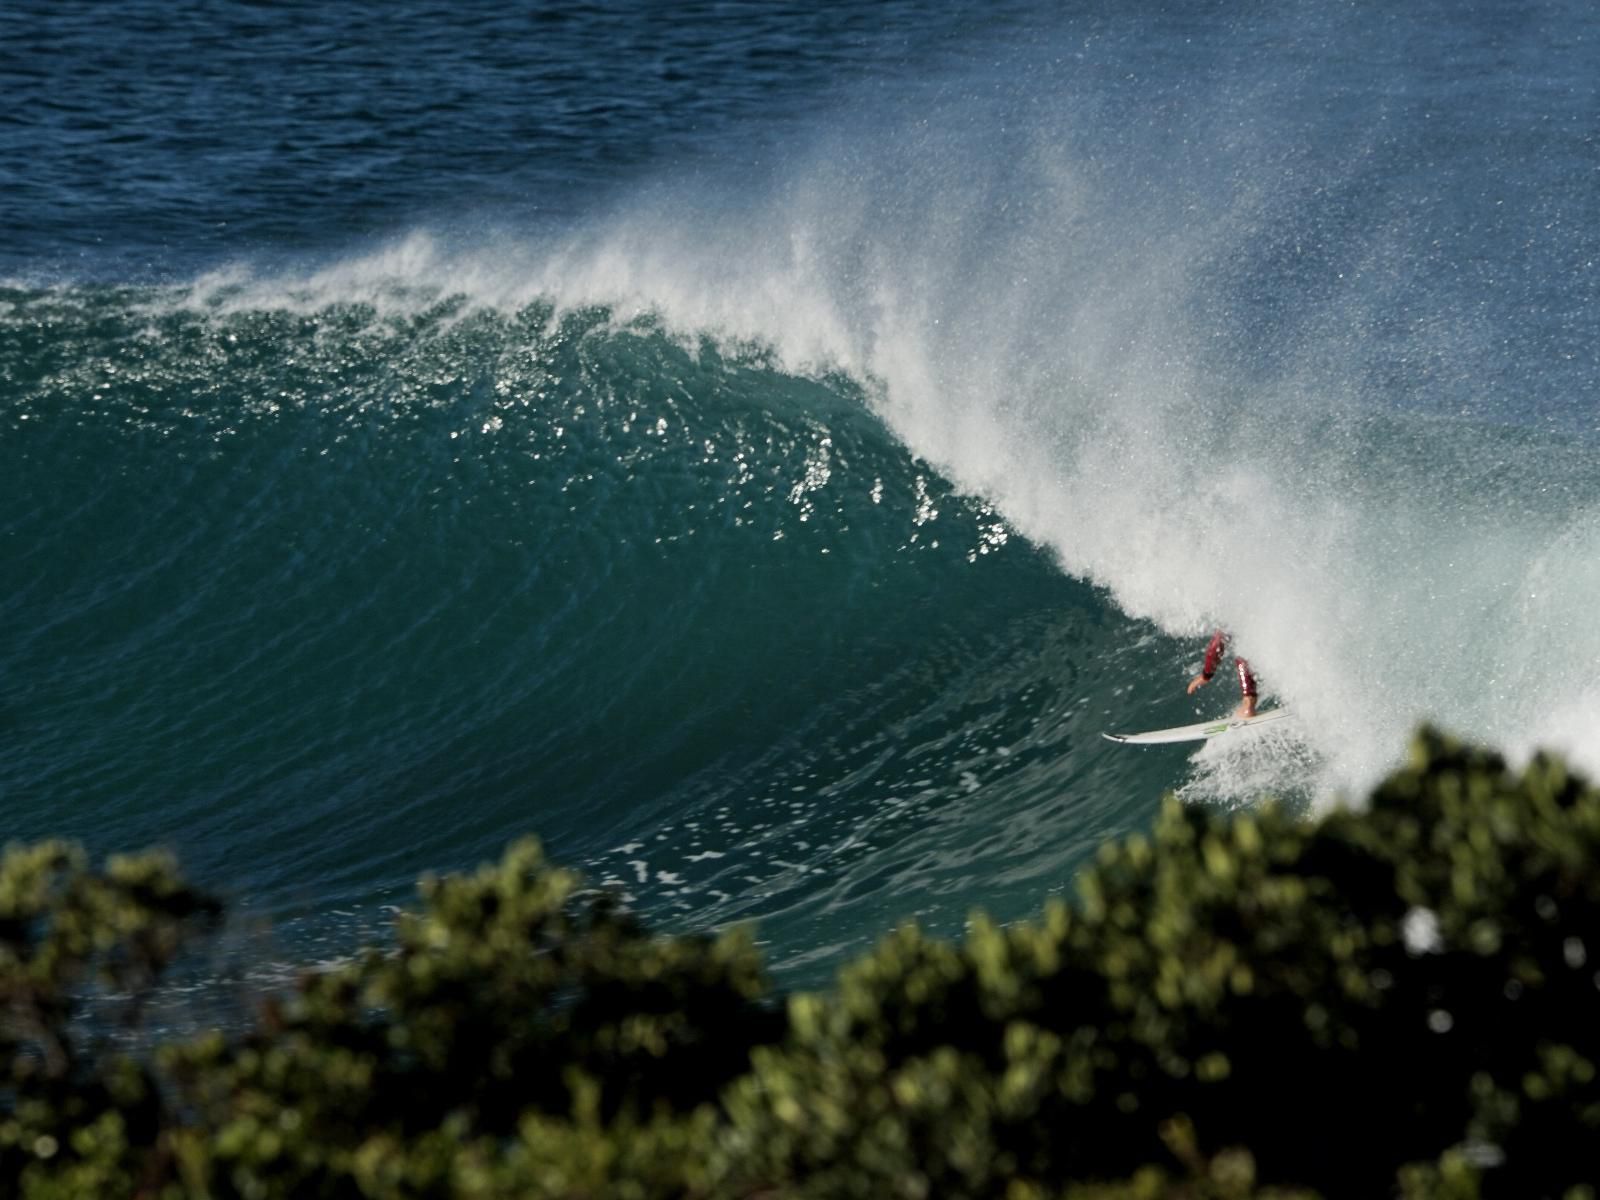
column 1247, row 688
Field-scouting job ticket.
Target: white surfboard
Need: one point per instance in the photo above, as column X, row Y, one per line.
column 1197, row 733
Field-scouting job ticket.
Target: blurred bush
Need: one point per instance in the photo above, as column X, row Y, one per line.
column 1397, row 1001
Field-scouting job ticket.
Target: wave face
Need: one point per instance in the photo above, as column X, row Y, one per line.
column 331, row 598
column 771, row 509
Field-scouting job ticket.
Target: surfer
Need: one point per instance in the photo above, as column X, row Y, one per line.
column 1247, row 680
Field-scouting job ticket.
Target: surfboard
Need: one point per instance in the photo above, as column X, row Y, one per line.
column 1197, row 733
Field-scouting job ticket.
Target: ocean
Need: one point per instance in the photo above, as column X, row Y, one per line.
column 760, row 447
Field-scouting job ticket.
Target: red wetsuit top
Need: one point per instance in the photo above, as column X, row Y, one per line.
column 1214, row 652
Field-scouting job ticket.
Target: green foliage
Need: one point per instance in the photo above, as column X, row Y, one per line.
column 81, row 1118
column 1398, row 1001
column 512, row 1026
column 1253, row 975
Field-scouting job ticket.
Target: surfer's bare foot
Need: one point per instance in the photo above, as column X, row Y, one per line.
column 1247, row 708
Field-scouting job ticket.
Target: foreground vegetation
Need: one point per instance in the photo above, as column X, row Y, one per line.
column 1395, row 1002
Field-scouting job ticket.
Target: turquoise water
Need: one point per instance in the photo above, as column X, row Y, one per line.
column 761, row 449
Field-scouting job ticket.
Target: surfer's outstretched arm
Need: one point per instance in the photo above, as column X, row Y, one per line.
column 1219, row 642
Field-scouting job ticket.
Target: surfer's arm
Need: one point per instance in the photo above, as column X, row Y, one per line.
column 1219, row 642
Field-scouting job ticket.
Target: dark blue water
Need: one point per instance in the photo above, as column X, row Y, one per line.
column 174, row 134
column 760, row 448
